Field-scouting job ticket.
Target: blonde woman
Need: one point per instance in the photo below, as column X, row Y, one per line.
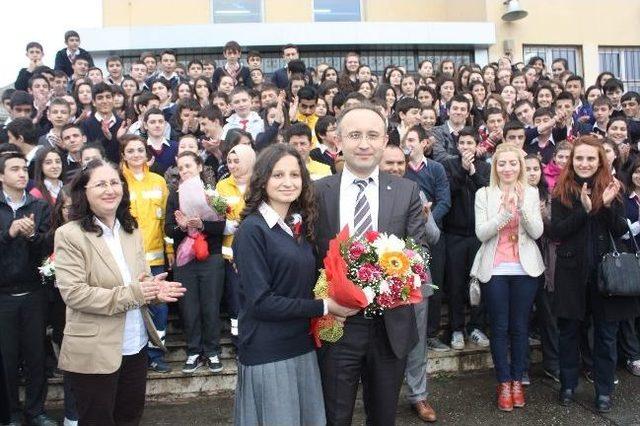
column 508, row 221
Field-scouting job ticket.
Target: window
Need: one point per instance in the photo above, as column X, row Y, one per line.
column 336, row 11
column 571, row 53
column 624, row 63
column 236, row 11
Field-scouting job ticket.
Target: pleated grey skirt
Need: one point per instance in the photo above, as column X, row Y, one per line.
column 280, row 393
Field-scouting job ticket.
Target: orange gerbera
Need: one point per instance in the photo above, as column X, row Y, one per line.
column 394, row 263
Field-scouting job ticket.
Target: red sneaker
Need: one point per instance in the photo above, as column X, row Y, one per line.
column 505, row 400
column 517, row 394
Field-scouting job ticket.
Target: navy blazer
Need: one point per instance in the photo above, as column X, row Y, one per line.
column 64, row 64
column 280, row 78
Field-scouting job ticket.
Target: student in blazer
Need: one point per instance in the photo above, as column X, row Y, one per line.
column 105, row 282
column 508, row 221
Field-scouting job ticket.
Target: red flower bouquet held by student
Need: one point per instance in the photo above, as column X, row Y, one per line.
column 375, row 272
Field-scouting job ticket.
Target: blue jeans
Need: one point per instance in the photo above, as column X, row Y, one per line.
column 509, row 299
column 160, row 316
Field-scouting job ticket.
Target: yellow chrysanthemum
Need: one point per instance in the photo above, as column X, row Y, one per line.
column 395, row 263
column 321, row 289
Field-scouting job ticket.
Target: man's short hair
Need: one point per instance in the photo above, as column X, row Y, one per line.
column 543, row 112
column 461, row 99
column 289, row 46
column 72, row 126
column 308, row 93
column 35, row 44
column 152, row 111
column 362, row 106
column 169, row 52
column 602, row 100
column 61, row 102
column 93, row 145
column 113, row 58
column 211, row 112
column 20, row 97
column 69, row 34
column 232, row 46
column 296, row 66
column 298, row 129
column 145, row 55
column 564, row 96
column 23, row 126
column 512, row 125
column 630, row 96
column 405, row 104
column 574, row 77
column 611, row 85
column 563, row 61
column 323, row 124
column 9, row 155
column 101, row 88
column 469, row 131
column 254, row 54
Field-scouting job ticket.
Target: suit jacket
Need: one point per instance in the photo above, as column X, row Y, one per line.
column 97, row 299
column 400, row 213
column 63, row 63
column 489, row 221
column 444, row 146
column 280, row 78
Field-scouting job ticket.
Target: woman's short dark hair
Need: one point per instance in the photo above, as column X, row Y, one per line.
column 305, row 205
column 80, row 209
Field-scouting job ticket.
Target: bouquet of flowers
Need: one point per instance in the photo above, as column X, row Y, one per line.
column 217, row 202
column 375, row 272
column 48, row 270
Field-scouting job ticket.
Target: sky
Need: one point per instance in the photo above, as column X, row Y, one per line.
column 44, row 21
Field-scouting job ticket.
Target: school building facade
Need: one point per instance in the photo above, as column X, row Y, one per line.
column 593, row 35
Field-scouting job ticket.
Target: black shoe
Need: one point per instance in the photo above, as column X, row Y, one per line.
column 215, row 366
column 604, row 404
column 42, row 420
column 554, row 375
column 566, row 397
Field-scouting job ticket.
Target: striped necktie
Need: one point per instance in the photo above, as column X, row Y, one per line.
column 362, row 221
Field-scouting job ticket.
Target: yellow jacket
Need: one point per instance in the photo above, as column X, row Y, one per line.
column 310, row 121
column 148, row 205
column 228, row 188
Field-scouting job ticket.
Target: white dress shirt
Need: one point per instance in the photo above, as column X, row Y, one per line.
column 254, row 125
column 273, row 218
column 349, row 194
column 135, row 333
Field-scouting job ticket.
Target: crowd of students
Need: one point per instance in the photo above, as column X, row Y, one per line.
column 547, row 147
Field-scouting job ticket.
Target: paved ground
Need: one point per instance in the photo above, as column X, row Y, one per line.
column 459, row 400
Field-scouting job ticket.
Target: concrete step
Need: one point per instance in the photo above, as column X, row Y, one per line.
column 177, row 385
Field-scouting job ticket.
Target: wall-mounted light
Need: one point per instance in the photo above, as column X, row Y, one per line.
column 514, row 11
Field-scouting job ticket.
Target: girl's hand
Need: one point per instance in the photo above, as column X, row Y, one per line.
column 585, row 198
column 181, row 219
column 195, row 222
column 610, row 193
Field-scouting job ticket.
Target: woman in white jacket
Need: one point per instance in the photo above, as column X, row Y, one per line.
column 508, row 221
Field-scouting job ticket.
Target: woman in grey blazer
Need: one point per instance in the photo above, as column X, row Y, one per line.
column 508, row 221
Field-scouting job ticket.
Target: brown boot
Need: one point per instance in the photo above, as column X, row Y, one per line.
column 425, row 412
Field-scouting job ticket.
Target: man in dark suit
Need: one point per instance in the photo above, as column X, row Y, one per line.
column 372, row 349
column 64, row 57
column 281, row 77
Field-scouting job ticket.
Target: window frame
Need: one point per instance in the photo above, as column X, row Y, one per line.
column 313, row 13
column 261, row 10
column 620, row 51
column 548, row 55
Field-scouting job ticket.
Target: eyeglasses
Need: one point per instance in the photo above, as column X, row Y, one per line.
column 358, row 136
column 102, row 186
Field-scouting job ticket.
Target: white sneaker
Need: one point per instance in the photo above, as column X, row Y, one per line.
column 234, row 327
column 457, row 340
column 68, row 422
column 479, row 338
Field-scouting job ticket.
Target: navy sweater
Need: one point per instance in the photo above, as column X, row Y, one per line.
column 432, row 181
column 277, row 276
column 164, row 158
column 93, row 129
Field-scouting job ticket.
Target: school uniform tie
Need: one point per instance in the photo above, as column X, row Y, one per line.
column 244, row 124
column 362, row 221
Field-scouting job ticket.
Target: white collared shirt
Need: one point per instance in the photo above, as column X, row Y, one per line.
column 54, row 190
column 255, row 124
column 100, row 117
column 15, row 205
column 32, row 154
column 349, row 193
column 135, row 333
column 273, row 218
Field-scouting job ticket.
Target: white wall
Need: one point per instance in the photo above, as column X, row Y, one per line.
column 44, row 21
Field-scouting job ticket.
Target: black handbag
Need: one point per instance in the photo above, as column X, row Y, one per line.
column 620, row 271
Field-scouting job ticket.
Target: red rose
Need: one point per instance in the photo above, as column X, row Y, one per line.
column 371, row 236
